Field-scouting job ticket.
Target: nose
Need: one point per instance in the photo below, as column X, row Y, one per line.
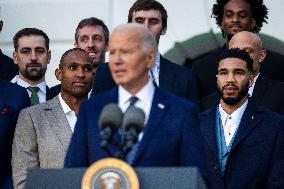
column 235, row 18
column 33, row 56
column 231, row 78
column 80, row 73
column 91, row 43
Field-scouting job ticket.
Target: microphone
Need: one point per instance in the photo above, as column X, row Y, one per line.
column 133, row 124
column 109, row 122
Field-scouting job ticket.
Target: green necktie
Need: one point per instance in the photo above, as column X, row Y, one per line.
column 34, row 97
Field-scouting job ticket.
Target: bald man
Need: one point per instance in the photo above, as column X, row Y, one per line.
column 264, row 92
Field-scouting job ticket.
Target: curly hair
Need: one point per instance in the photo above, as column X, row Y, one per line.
column 258, row 9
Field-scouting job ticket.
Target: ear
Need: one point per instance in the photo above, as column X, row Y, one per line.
column 15, row 57
column 1, row 25
column 253, row 23
column 251, row 79
column 164, row 30
column 262, row 55
column 58, row 74
column 48, row 56
column 151, row 58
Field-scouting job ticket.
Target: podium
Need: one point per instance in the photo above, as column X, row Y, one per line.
column 149, row 178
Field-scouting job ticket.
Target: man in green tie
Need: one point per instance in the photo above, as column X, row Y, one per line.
column 32, row 55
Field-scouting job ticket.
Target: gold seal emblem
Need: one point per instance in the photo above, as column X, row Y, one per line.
column 110, row 173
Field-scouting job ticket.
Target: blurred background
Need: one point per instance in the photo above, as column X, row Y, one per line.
column 191, row 30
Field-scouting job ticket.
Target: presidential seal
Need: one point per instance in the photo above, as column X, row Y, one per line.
column 110, row 173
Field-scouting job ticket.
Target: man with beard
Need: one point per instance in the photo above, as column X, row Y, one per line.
column 91, row 35
column 233, row 16
column 164, row 74
column 32, row 55
column 44, row 131
column 264, row 92
column 244, row 144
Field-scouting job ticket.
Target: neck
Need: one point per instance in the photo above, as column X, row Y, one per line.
column 133, row 88
column 229, row 109
column 31, row 82
column 72, row 101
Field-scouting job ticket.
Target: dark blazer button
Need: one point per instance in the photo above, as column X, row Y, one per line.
column 216, row 167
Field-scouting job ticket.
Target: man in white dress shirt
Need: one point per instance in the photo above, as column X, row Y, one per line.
column 43, row 131
column 243, row 142
column 32, row 55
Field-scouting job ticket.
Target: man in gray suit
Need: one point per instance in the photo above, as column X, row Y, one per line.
column 44, row 131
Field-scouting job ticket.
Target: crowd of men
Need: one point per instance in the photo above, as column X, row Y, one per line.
column 225, row 116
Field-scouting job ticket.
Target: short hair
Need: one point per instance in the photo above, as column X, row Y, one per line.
column 149, row 41
column 72, row 51
column 146, row 5
column 29, row 32
column 258, row 9
column 92, row 21
column 237, row 53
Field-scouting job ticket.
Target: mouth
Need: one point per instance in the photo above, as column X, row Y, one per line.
column 33, row 65
column 79, row 83
column 230, row 89
column 93, row 54
column 236, row 28
column 119, row 73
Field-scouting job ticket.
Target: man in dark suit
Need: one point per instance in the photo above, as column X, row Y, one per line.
column 32, row 55
column 165, row 74
column 8, row 69
column 243, row 143
column 264, row 92
column 233, row 16
column 13, row 98
column 170, row 137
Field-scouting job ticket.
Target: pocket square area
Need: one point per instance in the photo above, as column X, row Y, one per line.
column 6, row 111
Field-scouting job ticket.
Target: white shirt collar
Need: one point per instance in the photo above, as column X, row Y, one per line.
column 19, row 81
column 145, row 96
column 250, row 92
column 69, row 114
column 236, row 115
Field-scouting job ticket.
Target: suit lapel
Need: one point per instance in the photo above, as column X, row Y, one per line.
column 248, row 122
column 259, row 90
column 207, row 126
column 159, row 107
column 166, row 75
column 58, row 121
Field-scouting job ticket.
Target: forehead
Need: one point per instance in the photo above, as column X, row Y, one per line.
column 232, row 64
column 237, row 6
column 146, row 14
column 31, row 41
column 91, row 30
column 125, row 38
column 243, row 42
column 77, row 57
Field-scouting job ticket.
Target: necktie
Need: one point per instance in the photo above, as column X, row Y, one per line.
column 131, row 155
column 34, row 97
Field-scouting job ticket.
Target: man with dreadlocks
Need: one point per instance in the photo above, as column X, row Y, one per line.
column 233, row 16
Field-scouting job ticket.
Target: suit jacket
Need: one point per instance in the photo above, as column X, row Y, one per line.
column 41, row 139
column 256, row 160
column 13, row 98
column 170, row 138
column 8, row 69
column 267, row 93
column 173, row 77
column 205, row 70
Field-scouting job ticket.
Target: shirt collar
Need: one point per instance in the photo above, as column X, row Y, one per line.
column 236, row 115
column 19, row 81
column 157, row 62
column 145, row 95
column 65, row 107
column 250, row 92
